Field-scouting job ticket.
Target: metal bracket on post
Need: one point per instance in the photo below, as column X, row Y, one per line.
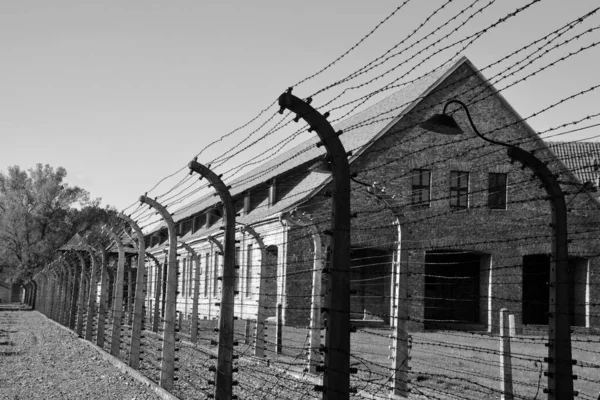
column 117, row 307
column 336, row 379
column 560, row 361
column 314, row 355
column 261, row 315
column 196, row 294
column 224, row 373
column 138, row 315
column 400, row 336
column 167, row 366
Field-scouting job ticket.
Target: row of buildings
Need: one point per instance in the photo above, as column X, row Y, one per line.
column 478, row 234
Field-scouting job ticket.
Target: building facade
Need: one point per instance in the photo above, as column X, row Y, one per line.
column 477, row 226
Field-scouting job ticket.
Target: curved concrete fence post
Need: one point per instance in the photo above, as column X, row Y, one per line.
column 74, row 295
column 316, row 325
column 139, row 298
column 261, row 315
column 219, row 246
column 81, row 295
column 65, row 293
column 155, row 308
column 103, row 295
column 91, row 306
column 224, row 371
column 117, row 307
column 336, row 376
column 168, row 349
column 49, row 297
column 195, row 294
column 69, row 290
column 57, row 294
column 39, row 280
column 43, row 291
column 53, row 300
column 399, row 292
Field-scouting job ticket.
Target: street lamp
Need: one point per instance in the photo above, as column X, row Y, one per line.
column 560, row 363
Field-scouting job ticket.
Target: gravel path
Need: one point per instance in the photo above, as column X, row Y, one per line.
column 39, row 360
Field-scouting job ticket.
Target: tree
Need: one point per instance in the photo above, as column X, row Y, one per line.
column 39, row 212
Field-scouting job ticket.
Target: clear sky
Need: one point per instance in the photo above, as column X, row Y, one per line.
column 123, row 93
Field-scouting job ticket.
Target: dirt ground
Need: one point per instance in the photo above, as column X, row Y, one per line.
column 39, row 360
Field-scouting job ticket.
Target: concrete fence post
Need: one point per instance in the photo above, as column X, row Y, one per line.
column 117, row 307
column 196, row 293
column 400, row 337
column 261, row 315
column 91, row 306
column 81, row 296
column 130, row 296
column 247, row 331
column 506, row 386
column 74, row 296
column 104, row 281
column 64, row 294
column 139, row 298
column 314, row 353
column 279, row 329
column 224, row 371
column 157, row 296
column 153, row 303
column 336, row 377
column 167, row 366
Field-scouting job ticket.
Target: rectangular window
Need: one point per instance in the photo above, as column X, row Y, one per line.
column 249, row 271
column 421, row 187
column 459, row 189
column 497, row 191
column 215, row 275
column 237, row 271
column 206, row 271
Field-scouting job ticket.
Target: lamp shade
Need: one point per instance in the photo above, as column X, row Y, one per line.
column 442, row 123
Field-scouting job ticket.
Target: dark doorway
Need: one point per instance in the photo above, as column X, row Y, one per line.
column 536, row 274
column 536, row 292
column 452, row 288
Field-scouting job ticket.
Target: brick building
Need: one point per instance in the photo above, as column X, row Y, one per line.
column 478, row 230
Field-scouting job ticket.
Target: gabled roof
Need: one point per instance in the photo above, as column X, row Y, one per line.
column 582, row 158
column 359, row 131
column 75, row 243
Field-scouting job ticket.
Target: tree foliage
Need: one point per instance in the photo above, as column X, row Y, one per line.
column 39, row 212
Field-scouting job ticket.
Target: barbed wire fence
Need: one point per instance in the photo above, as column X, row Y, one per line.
column 427, row 296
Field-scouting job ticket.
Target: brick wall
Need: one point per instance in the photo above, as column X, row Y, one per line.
column 504, row 236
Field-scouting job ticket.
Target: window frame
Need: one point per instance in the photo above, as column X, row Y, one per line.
column 457, row 192
column 418, row 189
column 502, row 205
